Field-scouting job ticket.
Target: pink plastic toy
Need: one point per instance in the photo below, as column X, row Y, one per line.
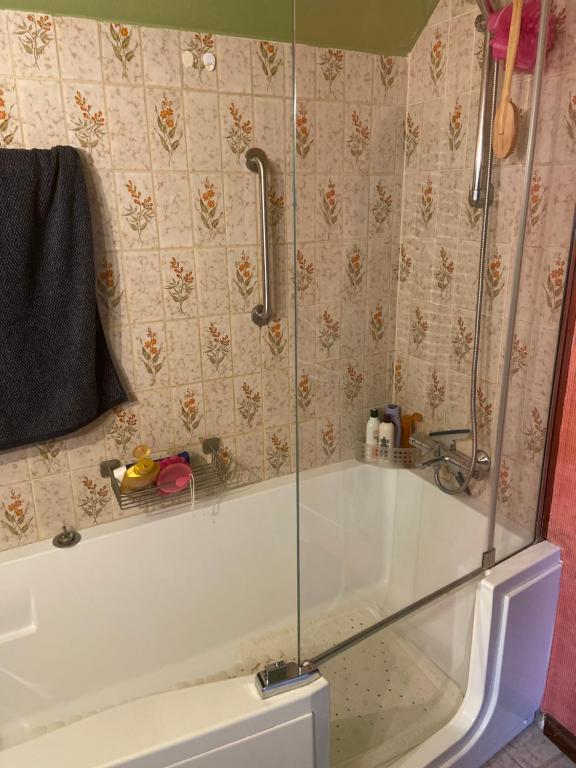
column 499, row 25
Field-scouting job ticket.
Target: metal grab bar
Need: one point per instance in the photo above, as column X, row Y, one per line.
column 257, row 161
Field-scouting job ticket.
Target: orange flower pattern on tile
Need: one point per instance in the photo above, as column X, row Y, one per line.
column 381, row 208
column 462, row 342
column 403, row 269
column 330, row 204
column 554, row 285
column 504, row 484
column 95, row 499
column 485, row 411
column 190, row 415
column 355, row 271
column 7, row 127
column 386, row 67
column 419, row 329
column 250, row 404
column 218, row 347
column 270, row 60
column 398, row 376
column 329, row 332
column 181, row 285
column 411, row 137
column 455, row 128
column 304, row 277
column 329, row 440
column 276, row 211
column 151, row 354
column 277, row 453
column 535, row 434
column 140, row 212
column 245, row 277
column 304, row 138
column 437, row 61
column 427, row 201
column 537, row 202
column 494, row 278
column 519, row 356
column 35, row 35
column 198, row 45
column 89, row 126
column 436, row 392
column 571, row 117
column 208, row 206
column 331, row 65
column 305, row 394
column 226, row 460
column 17, row 518
column 276, row 340
column 49, row 452
column 377, row 324
column 353, row 381
column 359, row 138
column 124, row 48
column 239, row 133
column 167, row 127
column 444, row 274
column 107, row 287
column 124, row 428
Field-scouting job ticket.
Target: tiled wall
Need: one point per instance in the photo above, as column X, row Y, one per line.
column 440, row 246
column 176, row 231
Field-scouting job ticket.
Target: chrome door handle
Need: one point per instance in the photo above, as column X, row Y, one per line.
column 257, row 162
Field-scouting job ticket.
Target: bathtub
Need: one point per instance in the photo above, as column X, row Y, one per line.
column 138, row 647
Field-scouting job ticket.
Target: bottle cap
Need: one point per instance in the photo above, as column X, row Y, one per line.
column 373, row 413
column 387, row 418
column 142, row 451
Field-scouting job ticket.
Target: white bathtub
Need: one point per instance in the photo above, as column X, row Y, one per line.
column 109, row 651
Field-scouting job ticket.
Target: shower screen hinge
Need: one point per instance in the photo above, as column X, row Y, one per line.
column 489, row 558
column 283, row 676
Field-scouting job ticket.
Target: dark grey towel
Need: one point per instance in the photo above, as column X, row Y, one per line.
column 56, row 373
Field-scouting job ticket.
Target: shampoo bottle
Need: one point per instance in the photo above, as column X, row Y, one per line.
column 394, row 412
column 372, row 433
column 386, row 433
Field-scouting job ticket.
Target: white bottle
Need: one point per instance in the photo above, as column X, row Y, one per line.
column 386, row 433
column 372, row 434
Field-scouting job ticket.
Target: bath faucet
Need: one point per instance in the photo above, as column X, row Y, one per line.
column 436, row 453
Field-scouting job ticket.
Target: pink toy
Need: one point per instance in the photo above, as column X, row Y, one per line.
column 173, row 478
column 499, row 25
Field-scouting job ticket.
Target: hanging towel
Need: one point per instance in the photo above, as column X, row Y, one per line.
column 56, row 373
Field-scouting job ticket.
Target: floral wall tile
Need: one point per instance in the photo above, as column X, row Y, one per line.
column 277, row 452
column 208, row 209
column 121, row 52
column 128, row 134
column 33, row 44
column 193, row 47
column 161, row 56
column 242, row 278
column 275, row 344
column 86, row 121
column 54, row 505
column 18, row 524
column 236, row 130
column 357, row 120
column 78, row 48
column 110, row 291
column 48, row 458
column 249, row 402
column 330, row 73
column 202, row 131
column 174, row 216
column 122, row 432
column 41, row 113
column 216, row 347
column 234, row 70
column 184, row 351
column 327, row 440
column 212, row 282
column 188, row 413
column 10, row 124
column 268, row 62
column 166, row 129
column 178, row 282
column 150, row 355
column 138, row 212
column 93, row 499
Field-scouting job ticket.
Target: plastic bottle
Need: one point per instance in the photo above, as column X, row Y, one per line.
column 386, row 433
column 372, row 433
column 394, row 413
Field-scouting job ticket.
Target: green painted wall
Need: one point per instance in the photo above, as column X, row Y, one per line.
column 381, row 26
